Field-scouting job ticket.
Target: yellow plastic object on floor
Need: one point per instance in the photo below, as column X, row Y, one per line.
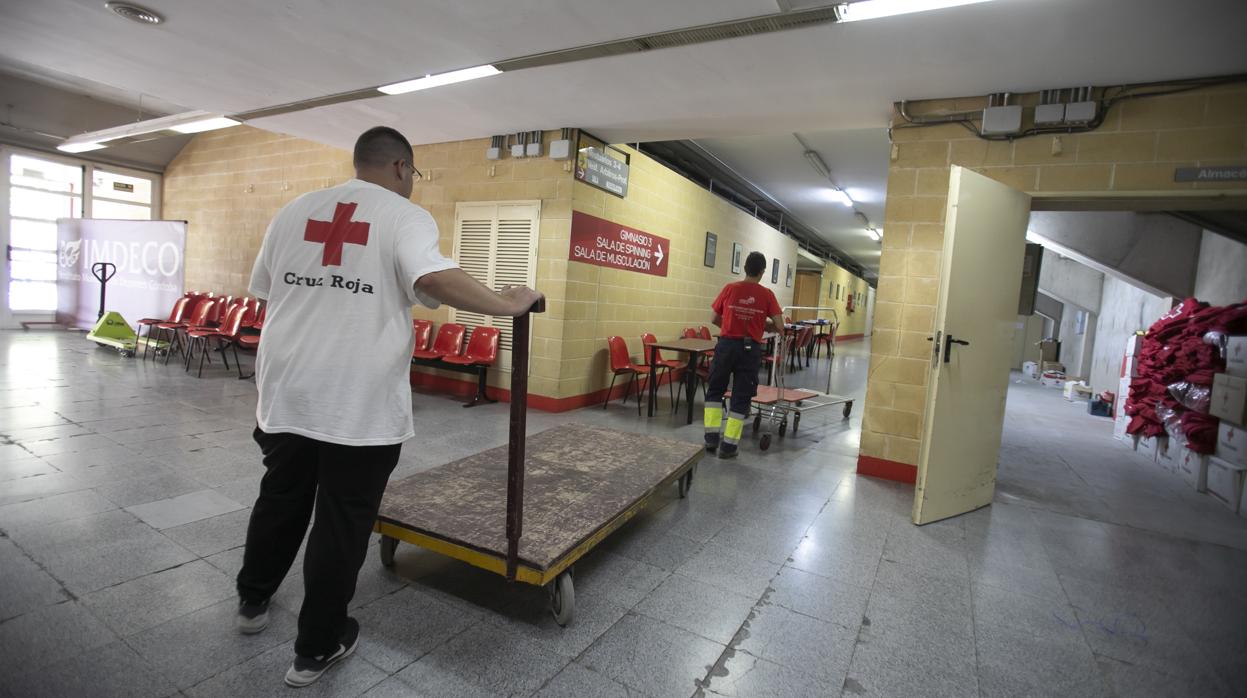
column 112, row 330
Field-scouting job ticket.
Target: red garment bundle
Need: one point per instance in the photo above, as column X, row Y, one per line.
column 1174, row 352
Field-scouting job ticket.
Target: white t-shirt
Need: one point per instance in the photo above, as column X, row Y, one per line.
column 338, row 268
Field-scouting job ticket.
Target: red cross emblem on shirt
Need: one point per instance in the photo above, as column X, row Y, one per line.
column 336, row 233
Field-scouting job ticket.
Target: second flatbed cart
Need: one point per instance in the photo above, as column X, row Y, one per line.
column 773, row 404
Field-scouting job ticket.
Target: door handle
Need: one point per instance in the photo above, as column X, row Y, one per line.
column 949, row 341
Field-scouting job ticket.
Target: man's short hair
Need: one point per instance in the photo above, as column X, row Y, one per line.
column 755, row 264
column 380, row 146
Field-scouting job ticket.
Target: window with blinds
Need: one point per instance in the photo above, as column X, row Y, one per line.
column 496, row 243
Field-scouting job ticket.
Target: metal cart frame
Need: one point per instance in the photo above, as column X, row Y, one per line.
column 773, row 410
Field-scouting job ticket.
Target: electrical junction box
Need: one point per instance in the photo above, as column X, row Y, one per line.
column 1048, row 114
column 560, row 149
column 517, row 150
column 1080, row 112
column 493, row 153
column 533, row 150
column 1000, row 121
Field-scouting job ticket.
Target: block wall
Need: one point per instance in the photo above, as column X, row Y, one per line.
column 1134, row 151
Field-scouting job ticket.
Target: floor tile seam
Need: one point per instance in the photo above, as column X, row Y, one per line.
column 795, row 612
column 1162, row 670
column 1082, row 630
column 70, row 596
column 585, row 651
column 450, row 638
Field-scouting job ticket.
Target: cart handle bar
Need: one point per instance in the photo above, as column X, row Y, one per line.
column 520, row 333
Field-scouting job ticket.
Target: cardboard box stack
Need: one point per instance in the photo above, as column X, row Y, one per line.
column 1227, row 467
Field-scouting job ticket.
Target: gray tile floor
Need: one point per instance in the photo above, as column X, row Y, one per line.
column 125, row 489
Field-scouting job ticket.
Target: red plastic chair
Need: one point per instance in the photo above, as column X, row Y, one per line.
column 423, row 330
column 449, row 342
column 223, row 337
column 660, row 364
column 175, row 316
column 621, row 363
column 200, row 310
column 689, row 333
column 482, row 352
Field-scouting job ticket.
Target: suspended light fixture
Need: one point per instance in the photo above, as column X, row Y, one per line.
column 424, row 83
column 186, row 122
column 876, row 9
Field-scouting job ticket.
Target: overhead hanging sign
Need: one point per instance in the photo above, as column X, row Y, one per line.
column 1223, row 173
column 605, row 244
column 594, row 167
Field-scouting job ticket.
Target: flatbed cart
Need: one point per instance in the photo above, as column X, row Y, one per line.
column 773, row 404
column 567, row 489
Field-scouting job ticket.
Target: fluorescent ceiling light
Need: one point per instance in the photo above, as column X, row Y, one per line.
column 186, row 122
column 209, row 124
column 874, row 9
column 874, row 234
column 840, row 196
column 424, row 83
column 81, row 147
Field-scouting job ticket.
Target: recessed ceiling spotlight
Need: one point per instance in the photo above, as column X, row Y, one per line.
column 134, row 13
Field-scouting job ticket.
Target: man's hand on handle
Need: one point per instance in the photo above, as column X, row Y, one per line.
column 522, row 297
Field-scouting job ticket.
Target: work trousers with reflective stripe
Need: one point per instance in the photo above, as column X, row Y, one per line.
column 736, row 361
column 344, row 485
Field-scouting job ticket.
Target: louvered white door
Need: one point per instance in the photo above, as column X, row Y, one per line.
column 496, row 243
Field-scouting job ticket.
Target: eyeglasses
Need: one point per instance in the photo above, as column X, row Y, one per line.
column 415, row 174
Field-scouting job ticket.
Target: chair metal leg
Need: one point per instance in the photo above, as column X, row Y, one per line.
column 609, row 390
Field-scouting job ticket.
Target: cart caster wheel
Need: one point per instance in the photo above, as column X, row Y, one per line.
column 563, row 599
column 783, row 427
column 686, row 484
column 796, row 422
column 848, row 408
column 388, row 546
column 765, row 442
column 757, row 423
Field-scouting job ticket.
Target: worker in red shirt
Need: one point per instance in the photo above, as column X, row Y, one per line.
column 742, row 311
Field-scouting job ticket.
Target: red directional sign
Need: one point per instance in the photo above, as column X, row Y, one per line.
column 606, row 244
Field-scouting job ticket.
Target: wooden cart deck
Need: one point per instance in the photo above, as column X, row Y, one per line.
column 582, row 482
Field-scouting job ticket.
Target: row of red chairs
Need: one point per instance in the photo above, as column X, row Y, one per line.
column 202, row 321
column 448, row 351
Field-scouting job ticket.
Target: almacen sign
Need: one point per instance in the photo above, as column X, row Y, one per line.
column 606, row 244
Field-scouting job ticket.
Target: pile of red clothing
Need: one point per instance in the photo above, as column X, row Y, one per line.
column 1175, row 352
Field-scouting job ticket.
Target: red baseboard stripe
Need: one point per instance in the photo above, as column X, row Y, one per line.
column 887, row 469
column 467, row 388
column 849, row 337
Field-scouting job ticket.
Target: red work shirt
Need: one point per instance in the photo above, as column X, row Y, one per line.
column 745, row 306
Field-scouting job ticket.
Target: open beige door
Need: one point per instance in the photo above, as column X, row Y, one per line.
column 972, row 346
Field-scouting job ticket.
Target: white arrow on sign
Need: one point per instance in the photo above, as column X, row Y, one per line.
column 659, row 254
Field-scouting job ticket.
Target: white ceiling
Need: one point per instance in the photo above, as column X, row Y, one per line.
column 237, row 55
column 858, row 160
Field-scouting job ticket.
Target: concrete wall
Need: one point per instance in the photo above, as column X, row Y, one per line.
column 1076, row 349
column 1124, row 310
column 1070, row 281
column 1154, row 250
column 1135, row 149
column 1029, row 331
column 1221, row 277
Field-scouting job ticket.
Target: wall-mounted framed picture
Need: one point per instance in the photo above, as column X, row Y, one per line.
column 712, row 245
column 775, row 270
column 788, row 279
column 738, row 251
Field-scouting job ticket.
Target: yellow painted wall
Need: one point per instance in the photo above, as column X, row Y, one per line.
column 1135, row 150
column 853, row 324
column 229, row 184
column 603, row 302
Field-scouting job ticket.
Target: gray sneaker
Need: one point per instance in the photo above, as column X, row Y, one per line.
column 252, row 617
column 305, row 670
